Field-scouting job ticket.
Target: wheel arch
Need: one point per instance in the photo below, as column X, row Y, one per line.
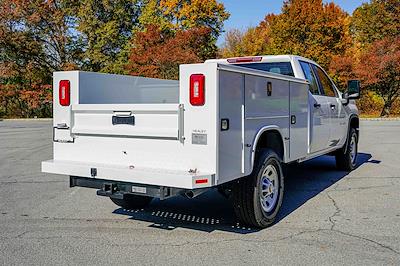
column 269, row 137
column 354, row 122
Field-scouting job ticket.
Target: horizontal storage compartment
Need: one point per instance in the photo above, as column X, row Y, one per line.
column 128, row 120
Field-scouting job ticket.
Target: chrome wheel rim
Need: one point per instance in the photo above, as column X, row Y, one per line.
column 269, row 184
column 353, row 149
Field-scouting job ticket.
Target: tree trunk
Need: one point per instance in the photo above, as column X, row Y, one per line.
column 386, row 108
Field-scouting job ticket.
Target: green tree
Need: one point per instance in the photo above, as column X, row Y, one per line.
column 376, row 20
column 106, row 29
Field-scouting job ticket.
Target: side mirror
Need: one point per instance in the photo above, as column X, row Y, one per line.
column 353, row 89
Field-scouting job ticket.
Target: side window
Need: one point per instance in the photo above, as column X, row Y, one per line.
column 309, row 75
column 325, row 82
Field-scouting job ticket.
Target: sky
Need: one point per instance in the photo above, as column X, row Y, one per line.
column 248, row 13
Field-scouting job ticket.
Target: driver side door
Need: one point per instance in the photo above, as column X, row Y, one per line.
column 336, row 109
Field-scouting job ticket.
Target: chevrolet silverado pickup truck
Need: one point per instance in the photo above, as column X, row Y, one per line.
column 230, row 124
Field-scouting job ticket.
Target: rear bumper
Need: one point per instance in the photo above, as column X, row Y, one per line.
column 146, row 176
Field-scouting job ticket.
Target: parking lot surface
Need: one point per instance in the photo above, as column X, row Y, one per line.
column 328, row 217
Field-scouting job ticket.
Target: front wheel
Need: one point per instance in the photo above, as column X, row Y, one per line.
column 346, row 161
column 258, row 197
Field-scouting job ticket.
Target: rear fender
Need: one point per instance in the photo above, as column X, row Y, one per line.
column 256, row 142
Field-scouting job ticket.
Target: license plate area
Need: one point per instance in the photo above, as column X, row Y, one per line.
column 141, row 190
column 123, row 120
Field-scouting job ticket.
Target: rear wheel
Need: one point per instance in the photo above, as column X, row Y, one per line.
column 346, row 161
column 131, row 201
column 258, row 197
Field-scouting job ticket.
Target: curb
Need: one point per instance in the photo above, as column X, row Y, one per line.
column 26, row 119
column 381, row 119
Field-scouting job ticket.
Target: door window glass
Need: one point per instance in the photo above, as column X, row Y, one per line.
column 325, row 82
column 309, row 75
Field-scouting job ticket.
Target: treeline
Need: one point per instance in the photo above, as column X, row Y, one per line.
column 364, row 45
column 152, row 37
column 139, row 37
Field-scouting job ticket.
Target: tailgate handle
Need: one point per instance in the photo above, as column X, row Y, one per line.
column 123, row 118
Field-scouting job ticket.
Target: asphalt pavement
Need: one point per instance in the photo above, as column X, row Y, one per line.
column 328, row 217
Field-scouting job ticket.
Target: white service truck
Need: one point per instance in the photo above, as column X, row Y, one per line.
column 227, row 123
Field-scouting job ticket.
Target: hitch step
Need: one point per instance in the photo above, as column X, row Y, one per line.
column 108, row 190
column 117, row 189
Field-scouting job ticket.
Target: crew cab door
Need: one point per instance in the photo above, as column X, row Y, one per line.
column 336, row 110
column 319, row 132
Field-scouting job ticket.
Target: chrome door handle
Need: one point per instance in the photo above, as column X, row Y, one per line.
column 333, row 106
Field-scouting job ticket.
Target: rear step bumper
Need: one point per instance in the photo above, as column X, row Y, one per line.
column 120, row 173
column 118, row 190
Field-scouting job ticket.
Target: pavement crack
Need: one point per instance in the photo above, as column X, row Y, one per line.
column 336, row 213
column 363, row 188
column 368, row 240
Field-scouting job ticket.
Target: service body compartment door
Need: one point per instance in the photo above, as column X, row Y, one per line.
column 230, row 153
column 266, row 106
column 299, row 120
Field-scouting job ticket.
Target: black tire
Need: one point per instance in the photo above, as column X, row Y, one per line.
column 345, row 160
column 247, row 191
column 131, row 201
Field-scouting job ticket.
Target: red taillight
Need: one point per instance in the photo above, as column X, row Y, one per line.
column 64, row 93
column 201, row 181
column 245, row 59
column 197, row 93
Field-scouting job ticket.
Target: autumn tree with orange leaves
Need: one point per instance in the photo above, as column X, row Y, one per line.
column 158, row 53
column 175, row 32
column 34, row 42
column 40, row 37
column 378, row 68
column 375, row 56
column 153, row 37
column 305, row 27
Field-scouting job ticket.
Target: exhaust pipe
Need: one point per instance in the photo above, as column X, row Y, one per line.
column 196, row 192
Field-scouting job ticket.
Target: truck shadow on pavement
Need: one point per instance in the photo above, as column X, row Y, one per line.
column 211, row 211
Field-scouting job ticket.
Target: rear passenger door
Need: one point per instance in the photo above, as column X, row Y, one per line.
column 319, row 112
column 336, row 111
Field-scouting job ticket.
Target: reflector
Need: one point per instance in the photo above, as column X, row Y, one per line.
column 201, row 181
